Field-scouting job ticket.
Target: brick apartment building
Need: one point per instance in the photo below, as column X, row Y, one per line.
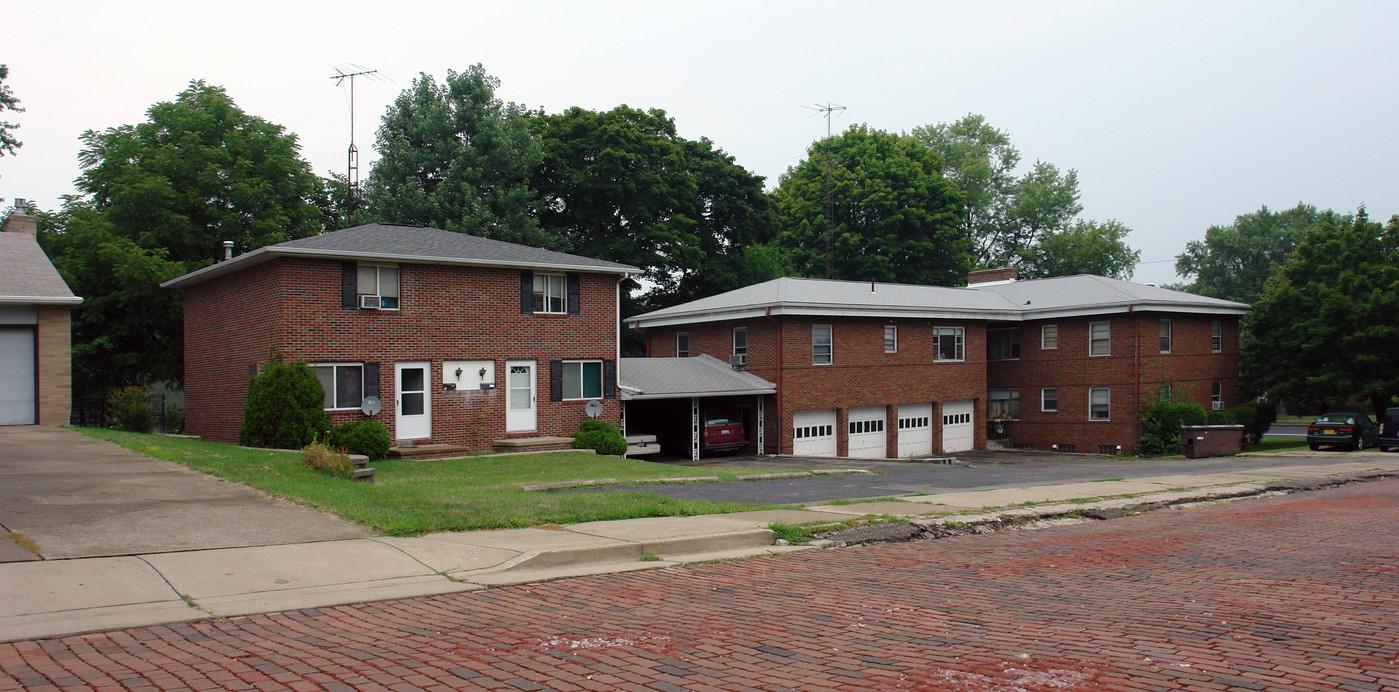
column 887, row 370
column 467, row 343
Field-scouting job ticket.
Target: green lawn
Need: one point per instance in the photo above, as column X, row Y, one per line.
column 1274, row 444
column 416, row 497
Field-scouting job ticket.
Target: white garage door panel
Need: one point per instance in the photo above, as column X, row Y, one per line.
column 866, row 430
column 815, row 433
column 17, row 377
column 915, row 430
column 958, row 429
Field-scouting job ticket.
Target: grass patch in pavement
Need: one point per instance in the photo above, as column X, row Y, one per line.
column 1274, row 444
column 416, row 497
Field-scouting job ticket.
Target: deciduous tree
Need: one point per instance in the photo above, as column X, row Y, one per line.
column 1088, row 247
column 1233, row 261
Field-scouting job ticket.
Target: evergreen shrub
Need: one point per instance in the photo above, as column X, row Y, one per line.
column 367, row 437
column 601, row 437
column 285, row 408
column 1162, row 422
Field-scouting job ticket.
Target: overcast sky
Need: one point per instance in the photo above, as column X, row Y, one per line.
column 1177, row 115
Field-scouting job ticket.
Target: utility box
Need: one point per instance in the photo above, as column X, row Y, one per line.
column 1201, row 441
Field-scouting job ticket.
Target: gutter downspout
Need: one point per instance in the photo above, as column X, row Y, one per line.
column 1136, row 378
column 777, row 399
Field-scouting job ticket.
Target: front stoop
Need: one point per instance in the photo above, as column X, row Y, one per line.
column 429, row 451
column 533, row 444
column 363, row 472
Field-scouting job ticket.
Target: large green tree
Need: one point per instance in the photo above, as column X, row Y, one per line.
column 1087, row 247
column 1233, row 261
column 894, row 217
column 159, row 199
column 1323, row 330
column 8, row 142
column 454, row 156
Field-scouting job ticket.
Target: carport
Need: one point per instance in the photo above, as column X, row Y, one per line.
column 660, row 395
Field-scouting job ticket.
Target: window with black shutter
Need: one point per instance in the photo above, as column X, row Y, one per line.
column 555, row 380
column 575, row 294
column 348, row 285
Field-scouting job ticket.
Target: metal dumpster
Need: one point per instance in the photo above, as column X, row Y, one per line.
column 1211, row 440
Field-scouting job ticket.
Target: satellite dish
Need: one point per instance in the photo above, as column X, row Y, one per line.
column 593, row 408
column 371, row 406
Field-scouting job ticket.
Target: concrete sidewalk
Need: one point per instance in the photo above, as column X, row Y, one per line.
column 51, row 598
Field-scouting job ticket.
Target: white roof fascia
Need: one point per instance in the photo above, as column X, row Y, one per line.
column 40, row 300
column 811, row 310
column 697, row 317
column 701, row 395
column 1124, row 308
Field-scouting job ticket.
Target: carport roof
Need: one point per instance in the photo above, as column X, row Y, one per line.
column 681, row 378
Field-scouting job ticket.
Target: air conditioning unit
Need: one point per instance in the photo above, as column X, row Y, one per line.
column 369, row 302
column 1217, row 405
column 738, row 361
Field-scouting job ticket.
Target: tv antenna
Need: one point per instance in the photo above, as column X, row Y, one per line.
column 352, row 171
column 829, row 110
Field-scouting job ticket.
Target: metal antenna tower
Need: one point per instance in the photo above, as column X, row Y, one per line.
column 829, row 110
column 352, row 171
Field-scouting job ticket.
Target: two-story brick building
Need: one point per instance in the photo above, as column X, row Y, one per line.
column 887, row 370
column 464, row 341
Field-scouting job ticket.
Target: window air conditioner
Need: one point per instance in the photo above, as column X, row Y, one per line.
column 369, row 302
column 738, row 361
column 1217, row 405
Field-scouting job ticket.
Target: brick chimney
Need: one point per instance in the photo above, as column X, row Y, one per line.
column 988, row 275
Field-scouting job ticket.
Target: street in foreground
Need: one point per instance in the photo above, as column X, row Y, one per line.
column 1298, row 591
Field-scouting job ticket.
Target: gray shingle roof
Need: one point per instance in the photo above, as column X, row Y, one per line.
column 415, row 244
column 674, row 378
column 1086, row 293
column 27, row 277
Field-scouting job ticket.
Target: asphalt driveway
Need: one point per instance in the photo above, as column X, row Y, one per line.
column 74, row 496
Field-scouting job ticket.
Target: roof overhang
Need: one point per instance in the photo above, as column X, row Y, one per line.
column 40, row 300
column 819, row 310
column 633, row 396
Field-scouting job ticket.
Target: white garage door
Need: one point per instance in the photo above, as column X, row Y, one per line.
column 815, row 433
column 958, row 430
column 915, row 430
column 866, row 429
column 17, row 377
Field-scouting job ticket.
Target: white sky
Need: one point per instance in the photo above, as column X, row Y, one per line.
column 1177, row 115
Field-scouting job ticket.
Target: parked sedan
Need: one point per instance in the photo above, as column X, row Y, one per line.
column 1343, row 429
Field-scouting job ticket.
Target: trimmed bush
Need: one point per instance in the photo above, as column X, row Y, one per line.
column 1162, row 422
column 285, row 408
column 329, row 461
column 1225, row 417
column 1263, row 413
column 367, row 437
column 601, row 437
column 130, row 409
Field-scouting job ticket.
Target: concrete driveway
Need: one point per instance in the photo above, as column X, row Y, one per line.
column 74, row 496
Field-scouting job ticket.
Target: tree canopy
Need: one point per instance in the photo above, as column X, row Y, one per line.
column 1233, row 262
column 1323, row 330
column 1088, row 247
column 894, row 218
column 8, row 102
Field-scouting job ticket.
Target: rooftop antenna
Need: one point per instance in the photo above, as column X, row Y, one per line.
column 352, row 172
column 829, row 110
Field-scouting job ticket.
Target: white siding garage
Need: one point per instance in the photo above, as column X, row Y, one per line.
column 866, row 429
column 814, row 433
column 915, row 430
column 17, row 376
column 958, row 430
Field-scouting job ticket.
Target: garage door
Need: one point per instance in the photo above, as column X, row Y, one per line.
column 958, row 431
column 17, row 377
column 815, row 433
column 915, row 430
column 866, row 430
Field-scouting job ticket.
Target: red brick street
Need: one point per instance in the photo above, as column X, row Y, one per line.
column 1292, row 592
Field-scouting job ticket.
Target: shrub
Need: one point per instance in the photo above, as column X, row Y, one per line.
column 285, row 408
column 334, row 462
column 367, row 437
column 1224, row 417
column 601, row 437
column 1263, row 415
column 174, row 418
column 130, row 409
column 1162, row 422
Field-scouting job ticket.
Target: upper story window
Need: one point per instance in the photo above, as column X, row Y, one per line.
column 1165, row 336
column 1217, row 336
column 376, row 287
column 740, row 349
column 1003, row 404
column 950, row 343
column 891, row 338
column 682, row 345
column 1099, row 338
column 550, row 293
column 821, row 344
column 1003, row 344
column 1049, row 336
column 343, row 384
column 582, row 379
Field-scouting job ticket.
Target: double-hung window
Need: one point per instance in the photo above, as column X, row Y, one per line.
column 1003, row 344
column 682, row 345
column 1217, row 395
column 821, row 344
column 1217, row 336
column 1099, row 338
column 1165, row 336
column 1003, row 404
column 582, row 379
column 377, row 281
column 1049, row 399
column 891, row 338
column 1100, row 404
column 1049, row 336
column 950, row 343
column 343, row 384
column 550, row 293
column 740, row 348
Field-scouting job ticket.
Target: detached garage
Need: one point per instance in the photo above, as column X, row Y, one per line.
column 35, row 337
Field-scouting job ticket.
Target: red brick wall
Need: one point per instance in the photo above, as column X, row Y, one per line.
column 446, row 313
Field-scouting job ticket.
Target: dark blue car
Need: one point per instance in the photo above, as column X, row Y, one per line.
column 1343, row 429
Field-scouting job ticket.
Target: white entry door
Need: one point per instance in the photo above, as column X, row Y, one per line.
column 867, row 437
column 413, row 409
column 17, row 377
column 915, row 430
column 521, row 410
column 958, row 430
column 814, row 433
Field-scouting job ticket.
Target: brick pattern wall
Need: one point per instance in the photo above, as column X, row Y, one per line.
column 55, row 366
column 446, row 314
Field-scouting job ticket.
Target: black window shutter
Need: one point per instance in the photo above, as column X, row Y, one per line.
column 575, row 293
column 609, row 379
column 526, row 293
column 349, row 274
column 555, row 380
column 371, row 379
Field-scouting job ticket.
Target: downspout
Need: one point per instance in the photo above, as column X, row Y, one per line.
column 1136, row 378
column 777, row 399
